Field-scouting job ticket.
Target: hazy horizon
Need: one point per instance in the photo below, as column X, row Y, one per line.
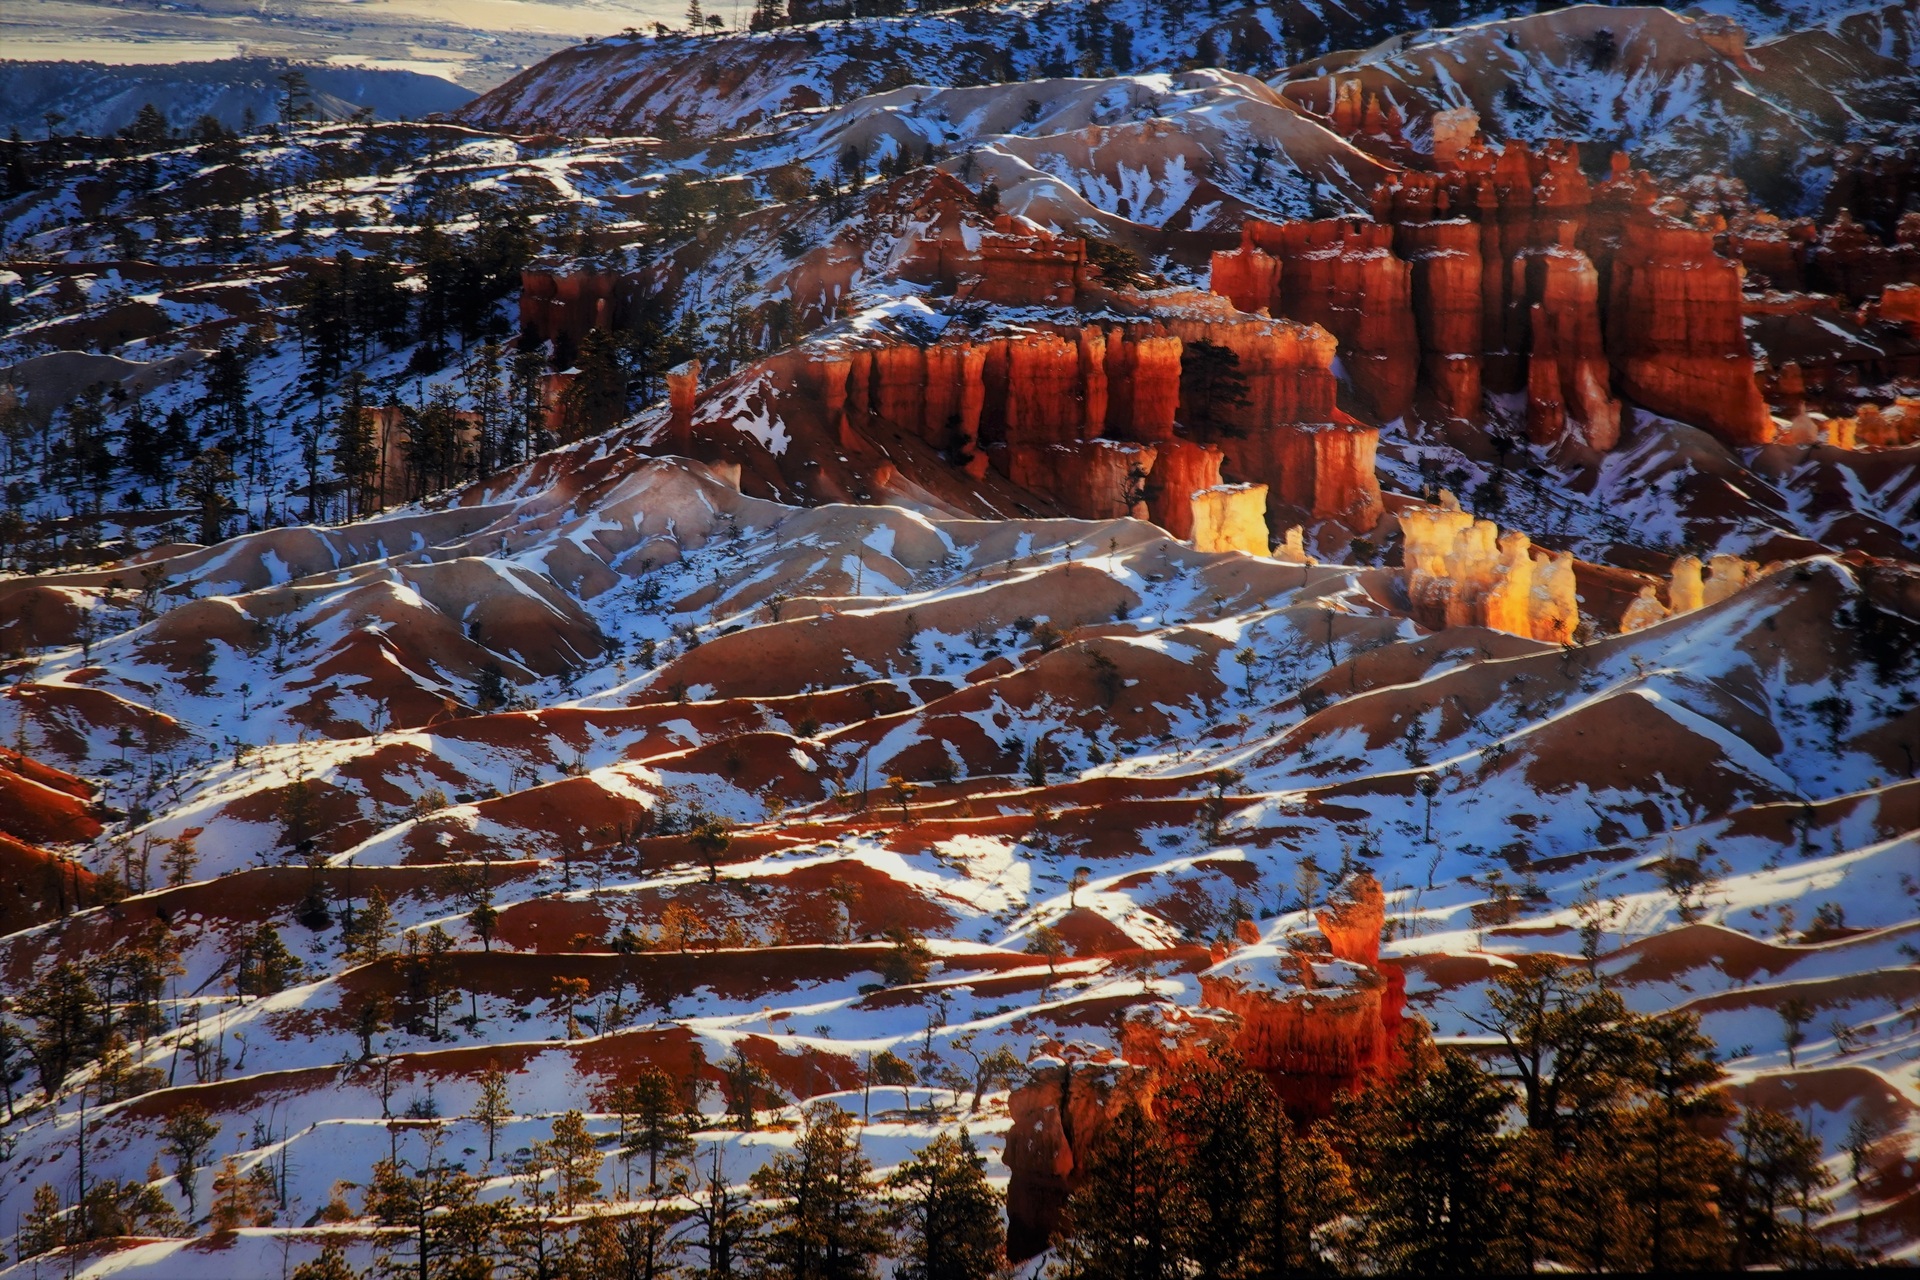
column 476, row 43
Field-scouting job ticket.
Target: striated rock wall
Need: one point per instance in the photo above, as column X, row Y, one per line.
column 1567, row 371
column 1057, row 1118
column 1448, row 306
column 1462, row 572
column 1344, row 276
column 1048, row 405
column 683, row 387
column 1098, row 479
column 1289, row 435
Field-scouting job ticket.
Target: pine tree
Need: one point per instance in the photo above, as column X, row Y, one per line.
column 445, row 1224
column 711, row 838
column 536, row 1242
column 484, row 917
column 746, row 1082
column 45, row 1226
column 596, row 399
column 380, row 303
column 355, row 459
column 294, row 95
column 181, row 857
column 1220, row 1123
column 189, row 1133
column 907, row 960
column 949, row 1213
column 526, row 408
column 299, row 817
column 144, row 449
column 239, row 1199
column 331, row 1264
column 1124, row 1222
column 69, row 1023
column 1563, row 1037
column 493, row 1107
column 651, row 1122
column 432, row 979
column 722, row 1221
column 643, row 1245
column 205, row 486
column 486, row 392
column 372, row 1016
column 1669, row 1170
column 1775, row 1191
column 149, row 128
column 575, row 1158
column 226, row 402
column 1425, row 1145
column 363, row 939
column 1211, row 384
column 437, row 453
column 824, row 1223
column 262, row 964
column 83, row 459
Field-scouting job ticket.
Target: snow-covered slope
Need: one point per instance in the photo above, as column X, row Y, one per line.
column 1683, row 95
column 671, row 645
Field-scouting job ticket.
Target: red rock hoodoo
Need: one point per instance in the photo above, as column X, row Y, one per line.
column 1674, row 330
column 1315, row 1024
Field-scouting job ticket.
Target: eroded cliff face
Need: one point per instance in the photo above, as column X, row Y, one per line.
column 1095, row 415
column 1674, row 330
column 560, row 305
column 1509, row 272
column 1316, row 1021
column 1344, row 276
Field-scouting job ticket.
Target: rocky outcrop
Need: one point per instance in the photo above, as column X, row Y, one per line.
column 1315, row 1022
column 1181, row 471
column 1888, row 426
column 1692, row 589
column 1848, row 260
column 1517, row 202
column 1899, row 304
column 1230, row 517
column 1016, row 264
column 1091, row 415
column 1097, row 479
column 683, row 387
column 1288, row 433
column 1674, row 331
column 1462, row 572
column 1352, row 922
column 1509, row 272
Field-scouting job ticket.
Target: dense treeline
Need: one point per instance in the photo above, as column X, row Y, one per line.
column 1591, row 1139
column 431, row 284
column 1596, row 1141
